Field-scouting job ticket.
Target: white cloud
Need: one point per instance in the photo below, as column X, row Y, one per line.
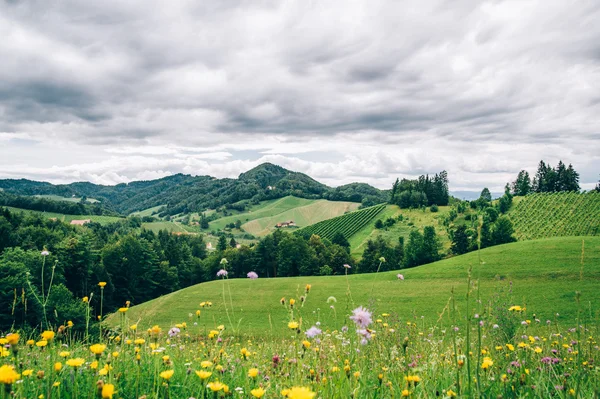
column 344, row 91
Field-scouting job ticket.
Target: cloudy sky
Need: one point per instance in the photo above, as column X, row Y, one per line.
column 112, row 91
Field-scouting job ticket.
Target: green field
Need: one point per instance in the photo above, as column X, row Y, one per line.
column 411, row 219
column 543, row 276
column 556, row 215
column 68, row 218
column 147, row 212
column 169, row 226
column 347, row 224
column 68, row 199
column 260, row 220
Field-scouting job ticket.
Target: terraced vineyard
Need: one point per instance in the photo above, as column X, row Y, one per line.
column 556, row 215
column 347, row 224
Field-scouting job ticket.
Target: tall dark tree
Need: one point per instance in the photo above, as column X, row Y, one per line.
column 486, row 195
column 522, row 186
column 571, row 179
column 394, row 191
column 503, row 231
column 222, row 244
column 460, row 240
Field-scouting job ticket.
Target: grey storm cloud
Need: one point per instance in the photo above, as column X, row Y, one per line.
column 386, row 88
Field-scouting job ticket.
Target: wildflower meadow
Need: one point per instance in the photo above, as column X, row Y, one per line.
column 492, row 352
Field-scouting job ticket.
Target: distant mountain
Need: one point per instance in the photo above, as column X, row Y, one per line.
column 185, row 193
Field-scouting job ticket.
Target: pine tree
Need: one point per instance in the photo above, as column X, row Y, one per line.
column 522, row 186
column 222, row 244
column 460, row 240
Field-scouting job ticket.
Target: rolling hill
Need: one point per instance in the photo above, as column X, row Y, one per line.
column 542, row 275
column 183, row 194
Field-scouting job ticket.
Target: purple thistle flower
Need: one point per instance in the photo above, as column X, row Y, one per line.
column 361, row 317
column 222, row 273
column 313, row 332
column 400, row 276
column 252, row 275
column 174, row 331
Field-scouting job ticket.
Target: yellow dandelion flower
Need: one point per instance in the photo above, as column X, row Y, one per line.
column 167, row 374
column 48, row 335
column 203, row 374
column 300, row 393
column 216, row 386
column 102, row 284
column 13, row 339
column 253, row 373
column 64, row 354
column 27, row 373
column 258, row 392
column 76, row 362
column 57, row 366
column 206, row 364
column 487, row 363
column 293, row 325
column 108, row 390
column 8, row 375
column 97, row 349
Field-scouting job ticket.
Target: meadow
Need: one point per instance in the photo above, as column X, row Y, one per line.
column 512, row 321
column 67, row 218
column 261, row 219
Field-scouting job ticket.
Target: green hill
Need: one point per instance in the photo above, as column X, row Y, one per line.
column 406, row 221
column 185, row 194
column 556, row 215
column 347, row 224
column 542, row 275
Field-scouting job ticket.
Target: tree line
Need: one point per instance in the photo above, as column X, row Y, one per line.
column 423, row 191
column 547, row 180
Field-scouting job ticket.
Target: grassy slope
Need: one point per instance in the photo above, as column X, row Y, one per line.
column 303, row 216
column 68, row 199
column 264, row 209
column 68, row 218
column 169, row 226
column 417, row 217
column 261, row 219
column 147, row 212
column 544, row 276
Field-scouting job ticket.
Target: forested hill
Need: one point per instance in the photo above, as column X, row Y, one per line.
column 185, row 193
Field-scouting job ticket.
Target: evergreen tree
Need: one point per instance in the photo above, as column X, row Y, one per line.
column 486, row 195
column 203, row 222
column 222, row 244
column 522, row 186
column 232, row 243
column 460, row 241
column 431, row 245
column 571, row 181
column 394, row 191
column 502, row 232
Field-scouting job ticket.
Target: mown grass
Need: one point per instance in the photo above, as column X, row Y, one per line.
column 264, row 209
column 542, row 274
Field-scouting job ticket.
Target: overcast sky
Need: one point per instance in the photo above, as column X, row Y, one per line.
column 112, row 91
